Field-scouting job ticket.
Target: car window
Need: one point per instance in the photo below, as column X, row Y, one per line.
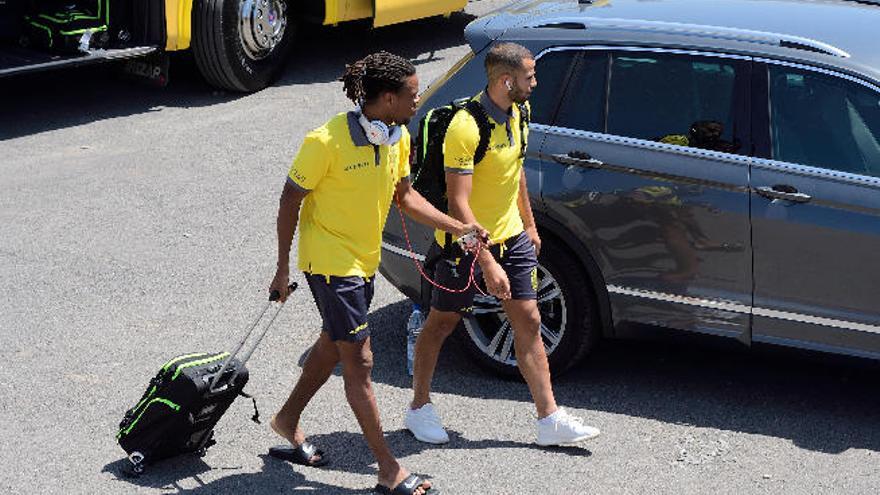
column 824, row 121
column 551, row 70
column 675, row 99
column 584, row 107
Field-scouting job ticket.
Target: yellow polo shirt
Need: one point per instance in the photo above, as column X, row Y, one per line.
column 351, row 184
column 496, row 178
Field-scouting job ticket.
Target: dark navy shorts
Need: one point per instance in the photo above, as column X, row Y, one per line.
column 516, row 256
column 343, row 303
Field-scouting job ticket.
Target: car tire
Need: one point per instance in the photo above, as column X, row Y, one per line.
column 241, row 45
column 568, row 313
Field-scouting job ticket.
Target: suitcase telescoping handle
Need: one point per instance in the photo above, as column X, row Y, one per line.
column 274, row 300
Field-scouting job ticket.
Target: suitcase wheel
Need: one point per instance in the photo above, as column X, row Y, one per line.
column 137, row 464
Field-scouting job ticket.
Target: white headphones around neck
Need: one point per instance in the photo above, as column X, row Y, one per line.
column 378, row 133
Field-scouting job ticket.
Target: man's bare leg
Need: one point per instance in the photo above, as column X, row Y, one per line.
column 357, row 363
column 531, row 357
column 316, row 370
column 438, row 326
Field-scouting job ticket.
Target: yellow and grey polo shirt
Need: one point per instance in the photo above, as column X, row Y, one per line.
column 351, row 184
column 496, row 178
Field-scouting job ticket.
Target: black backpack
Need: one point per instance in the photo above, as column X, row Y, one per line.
column 428, row 171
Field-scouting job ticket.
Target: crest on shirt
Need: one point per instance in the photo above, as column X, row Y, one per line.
column 356, row 166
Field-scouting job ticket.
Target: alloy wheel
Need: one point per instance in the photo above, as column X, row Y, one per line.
column 489, row 328
column 261, row 25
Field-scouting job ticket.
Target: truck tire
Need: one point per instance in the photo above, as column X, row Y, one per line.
column 568, row 312
column 241, row 45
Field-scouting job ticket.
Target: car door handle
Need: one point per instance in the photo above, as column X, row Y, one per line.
column 787, row 193
column 578, row 158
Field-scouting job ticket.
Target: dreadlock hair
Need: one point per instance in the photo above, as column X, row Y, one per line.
column 505, row 58
column 374, row 74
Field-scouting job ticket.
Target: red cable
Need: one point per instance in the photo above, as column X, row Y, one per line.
column 471, row 280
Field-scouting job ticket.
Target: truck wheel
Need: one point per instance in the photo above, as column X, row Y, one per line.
column 569, row 321
column 241, row 45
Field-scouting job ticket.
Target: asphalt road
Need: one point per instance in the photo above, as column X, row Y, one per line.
column 138, row 223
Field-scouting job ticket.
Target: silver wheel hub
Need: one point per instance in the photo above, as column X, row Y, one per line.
column 489, row 328
column 261, row 25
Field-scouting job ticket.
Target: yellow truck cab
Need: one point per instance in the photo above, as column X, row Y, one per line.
column 239, row 45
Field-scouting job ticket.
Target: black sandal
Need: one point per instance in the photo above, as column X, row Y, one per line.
column 299, row 455
column 406, row 487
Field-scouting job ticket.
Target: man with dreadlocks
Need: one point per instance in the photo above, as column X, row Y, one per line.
column 344, row 177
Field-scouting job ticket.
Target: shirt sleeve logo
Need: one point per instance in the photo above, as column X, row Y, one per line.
column 298, row 176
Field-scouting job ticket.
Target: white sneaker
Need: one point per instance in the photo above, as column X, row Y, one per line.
column 561, row 428
column 425, row 425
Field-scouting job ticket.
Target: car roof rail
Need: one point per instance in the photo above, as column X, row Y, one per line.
column 703, row 31
column 799, row 43
column 562, row 25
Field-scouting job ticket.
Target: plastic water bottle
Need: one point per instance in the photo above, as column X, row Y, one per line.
column 413, row 329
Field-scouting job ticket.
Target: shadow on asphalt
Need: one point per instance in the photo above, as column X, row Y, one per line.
column 820, row 403
column 46, row 101
column 275, row 477
column 348, row 450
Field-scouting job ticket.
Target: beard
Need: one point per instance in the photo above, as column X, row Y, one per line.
column 519, row 96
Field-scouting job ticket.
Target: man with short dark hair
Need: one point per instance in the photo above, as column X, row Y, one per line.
column 492, row 192
column 344, row 176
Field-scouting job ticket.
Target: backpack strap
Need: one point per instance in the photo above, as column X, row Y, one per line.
column 524, row 119
column 475, row 108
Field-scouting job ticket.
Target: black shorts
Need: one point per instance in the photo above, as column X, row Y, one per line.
column 343, row 303
column 515, row 255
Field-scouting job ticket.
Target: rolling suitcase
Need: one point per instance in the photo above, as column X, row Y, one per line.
column 183, row 402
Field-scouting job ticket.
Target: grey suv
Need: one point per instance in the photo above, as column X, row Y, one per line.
column 711, row 167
